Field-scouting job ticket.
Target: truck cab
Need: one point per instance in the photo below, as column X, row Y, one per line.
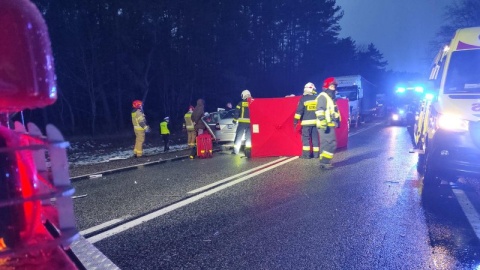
column 448, row 130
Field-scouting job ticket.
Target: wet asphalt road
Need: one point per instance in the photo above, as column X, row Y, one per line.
column 370, row 212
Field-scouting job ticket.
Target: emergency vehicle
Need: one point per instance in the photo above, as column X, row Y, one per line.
column 447, row 132
column 37, row 223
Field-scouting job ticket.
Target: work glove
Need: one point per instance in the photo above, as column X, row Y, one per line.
column 322, row 124
column 147, row 129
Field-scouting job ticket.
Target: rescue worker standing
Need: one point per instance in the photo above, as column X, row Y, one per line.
column 165, row 132
column 328, row 119
column 188, row 125
column 306, row 114
column 139, row 127
column 242, row 117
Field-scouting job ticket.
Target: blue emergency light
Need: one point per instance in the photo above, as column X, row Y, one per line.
column 419, row 89
column 400, row 90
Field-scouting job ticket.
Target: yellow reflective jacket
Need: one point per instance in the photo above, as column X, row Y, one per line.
column 327, row 110
column 164, row 128
column 138, row 120
column 188, row 121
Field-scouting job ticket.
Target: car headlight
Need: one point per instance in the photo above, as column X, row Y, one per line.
column 452, row 123
column 395, row 117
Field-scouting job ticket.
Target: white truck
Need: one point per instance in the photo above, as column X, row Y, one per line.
column 447, row 133
column 361, row 95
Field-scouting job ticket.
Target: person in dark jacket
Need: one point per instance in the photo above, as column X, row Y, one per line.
column 242, row 117
column 197, row 115
column 198, row 124
column 308, row 120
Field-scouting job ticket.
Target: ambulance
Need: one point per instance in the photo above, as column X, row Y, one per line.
column 447, row 132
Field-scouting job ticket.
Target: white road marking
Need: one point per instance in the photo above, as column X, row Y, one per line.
column 199, row 196
column 103, row 225
column 233, row 177
column 468, row 209
column 175, row 206
column 364, row 129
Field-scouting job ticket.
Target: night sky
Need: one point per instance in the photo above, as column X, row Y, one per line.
column 401, row 30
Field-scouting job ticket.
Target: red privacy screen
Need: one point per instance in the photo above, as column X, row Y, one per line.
column 272, row 127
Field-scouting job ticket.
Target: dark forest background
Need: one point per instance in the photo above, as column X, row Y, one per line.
column 170, row 53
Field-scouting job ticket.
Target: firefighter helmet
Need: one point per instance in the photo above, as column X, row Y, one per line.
column 309, row 88
column 191, row 108
column 246, row 94
column 329, row 81
column 137, row 104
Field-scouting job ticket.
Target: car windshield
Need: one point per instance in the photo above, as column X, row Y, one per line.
column 227, row 114
column 349, row 92
column 211, row 118
column 463, row 70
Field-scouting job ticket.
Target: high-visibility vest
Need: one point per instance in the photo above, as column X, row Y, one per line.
column 188, row 121
column 164, row 128
column 330, row 113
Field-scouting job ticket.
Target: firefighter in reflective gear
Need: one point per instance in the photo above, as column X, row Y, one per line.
column 139, row 127
column 188, row 125
column 328, row 119
column 242, row 118
column 306, row 114
column 165, row 132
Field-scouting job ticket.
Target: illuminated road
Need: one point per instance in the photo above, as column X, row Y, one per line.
column 282, row 213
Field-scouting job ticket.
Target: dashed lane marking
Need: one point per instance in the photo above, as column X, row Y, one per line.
column 133, row 223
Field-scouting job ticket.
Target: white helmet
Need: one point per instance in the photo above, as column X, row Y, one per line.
column 246, row 94
column 309, row 88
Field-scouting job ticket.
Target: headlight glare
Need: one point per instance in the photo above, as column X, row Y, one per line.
column 452, row 123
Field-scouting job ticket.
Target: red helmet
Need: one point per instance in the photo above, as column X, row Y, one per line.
column 329, row 81
column 191, row 108
column 137, row 104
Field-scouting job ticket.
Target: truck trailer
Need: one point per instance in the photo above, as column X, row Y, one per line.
column 361, row 95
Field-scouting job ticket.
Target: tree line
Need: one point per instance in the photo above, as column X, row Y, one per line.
column 170, row 53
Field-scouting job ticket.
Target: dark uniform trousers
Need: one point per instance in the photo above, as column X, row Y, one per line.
column 307, row 133
column 328, row 144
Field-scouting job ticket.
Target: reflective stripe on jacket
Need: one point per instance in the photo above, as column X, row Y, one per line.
column 306, row 110
column 188, row 121
column 138, row 120
column 327, row 109
column 242, row 112
column 164, row 128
